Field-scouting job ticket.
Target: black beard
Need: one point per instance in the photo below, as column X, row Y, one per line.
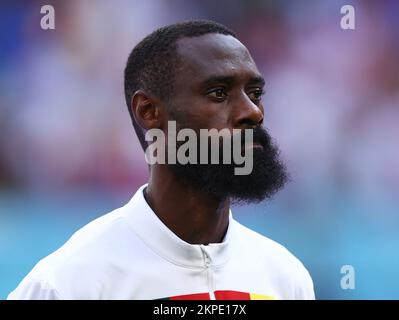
column 268, row 175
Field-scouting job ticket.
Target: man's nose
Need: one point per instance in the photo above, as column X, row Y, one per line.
column 247, row 113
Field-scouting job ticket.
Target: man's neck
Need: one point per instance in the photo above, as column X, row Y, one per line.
column 193, row 216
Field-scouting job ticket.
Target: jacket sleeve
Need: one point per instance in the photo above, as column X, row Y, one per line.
column 305, row 289
column 34, row 290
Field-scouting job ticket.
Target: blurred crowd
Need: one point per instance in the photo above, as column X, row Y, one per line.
column 332, row 99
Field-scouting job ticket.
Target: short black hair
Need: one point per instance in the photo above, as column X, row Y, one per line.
column 152, row 62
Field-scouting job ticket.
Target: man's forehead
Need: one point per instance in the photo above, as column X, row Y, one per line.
column 214, row 54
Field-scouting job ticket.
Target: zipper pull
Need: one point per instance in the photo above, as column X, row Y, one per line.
column 207, row 259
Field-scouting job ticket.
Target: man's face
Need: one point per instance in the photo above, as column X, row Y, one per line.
column 218, row 85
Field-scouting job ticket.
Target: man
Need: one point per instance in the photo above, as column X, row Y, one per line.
column 177, row 238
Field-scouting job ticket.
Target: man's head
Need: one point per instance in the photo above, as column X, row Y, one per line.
column 200, row 75
column 153, row 64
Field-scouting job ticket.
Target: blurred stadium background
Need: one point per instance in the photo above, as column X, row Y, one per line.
column 68, row 152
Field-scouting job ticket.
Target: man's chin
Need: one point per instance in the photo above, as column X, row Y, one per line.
column 221, row 182
column 247, row 189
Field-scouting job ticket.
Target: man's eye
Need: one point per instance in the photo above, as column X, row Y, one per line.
column 218, row 93
column 256, row 95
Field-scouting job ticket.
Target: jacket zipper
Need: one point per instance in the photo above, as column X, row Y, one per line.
column 208, row 266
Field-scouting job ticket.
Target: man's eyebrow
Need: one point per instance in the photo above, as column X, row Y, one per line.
column 258, row 80
column 230, row 80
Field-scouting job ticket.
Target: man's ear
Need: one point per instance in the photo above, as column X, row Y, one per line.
column 146, row 110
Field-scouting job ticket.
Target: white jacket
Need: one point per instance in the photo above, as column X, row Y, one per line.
column 130, row 254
